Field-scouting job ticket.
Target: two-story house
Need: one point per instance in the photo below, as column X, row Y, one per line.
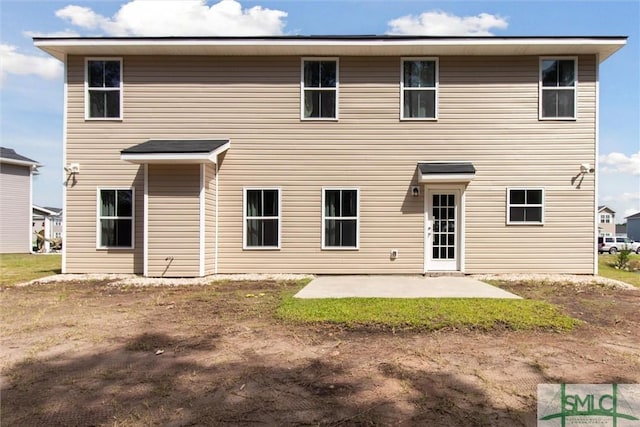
column 190, row 156
column 606, row 221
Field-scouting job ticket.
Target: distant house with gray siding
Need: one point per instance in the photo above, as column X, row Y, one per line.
column 633, row 227
column 16, row 176
column 190, row 156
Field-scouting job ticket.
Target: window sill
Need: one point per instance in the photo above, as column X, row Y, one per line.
column 319, row 119
column 561, row 119
column 525, row 223
column 418, row 119
column 103, row 119
column 114, row 248
column 263, row 248
column 336, row 248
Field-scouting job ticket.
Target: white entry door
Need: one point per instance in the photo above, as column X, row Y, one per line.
column 443, row 230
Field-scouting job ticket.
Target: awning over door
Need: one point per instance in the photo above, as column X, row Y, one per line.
column 176, row 151
column 445, row 172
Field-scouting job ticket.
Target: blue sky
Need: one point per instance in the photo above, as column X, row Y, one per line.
column 31, row 83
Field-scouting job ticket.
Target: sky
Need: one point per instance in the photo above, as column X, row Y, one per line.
column 31, row 82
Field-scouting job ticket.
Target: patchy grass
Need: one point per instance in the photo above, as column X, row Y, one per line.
column 427, row 314
column 606, row 269
column 19, row 268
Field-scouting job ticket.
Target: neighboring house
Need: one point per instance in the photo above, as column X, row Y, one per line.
column 606, row 221
column 189, row 156
column 47, row 222
column 621, row 230
column 633, row 227
column 16, row 188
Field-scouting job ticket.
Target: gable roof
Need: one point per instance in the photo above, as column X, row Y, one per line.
column 8, row 155
column 603, row 207
column 46, row 211
column 634, row 216
column 363, row 45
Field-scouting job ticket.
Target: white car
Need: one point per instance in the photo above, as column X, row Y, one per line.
column 615, row 244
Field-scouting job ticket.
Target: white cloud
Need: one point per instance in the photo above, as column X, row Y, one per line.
column 620, row 163
column 438, row 23
column 63, row 33
column 629, row 212
column 13, row 62
column 179, row 18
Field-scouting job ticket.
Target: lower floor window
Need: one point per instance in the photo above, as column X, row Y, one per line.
column 525, row 205
column 115, row 218
column 340, row 218
column 262, row 218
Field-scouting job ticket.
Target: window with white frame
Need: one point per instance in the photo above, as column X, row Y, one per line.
column 340, row 218
column 558, row 83
column 115, row 218
column 419, row 86
column 103, row 89
column 261, row 218
column 525, row 206
column 319, row 89
column 605, row 218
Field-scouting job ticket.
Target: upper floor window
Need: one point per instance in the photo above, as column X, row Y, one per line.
column 104, row 89
column 340, row 218
column 262, row 218
column 558, row 83
column 319, row 89
column 605, row 218
column 525, row 206
column 115, row 218
column 419, row 86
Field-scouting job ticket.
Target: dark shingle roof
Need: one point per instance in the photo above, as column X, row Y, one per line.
column 634, row 216
column 446, row 168
column 10, row 154
column 176, row 146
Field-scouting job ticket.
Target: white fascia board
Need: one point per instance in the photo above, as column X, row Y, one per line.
column 32, row 165
column 602, row 46
column 450, row 177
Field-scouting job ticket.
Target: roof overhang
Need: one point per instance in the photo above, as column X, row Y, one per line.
column 60, row 47
column 32, row 165
column 175, row 151
column 434, row 172
column 44, row 211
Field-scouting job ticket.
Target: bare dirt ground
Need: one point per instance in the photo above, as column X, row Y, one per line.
column 84, row 353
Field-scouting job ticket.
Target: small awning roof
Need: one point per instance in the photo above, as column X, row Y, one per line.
column 176, row 151
column 446, row 172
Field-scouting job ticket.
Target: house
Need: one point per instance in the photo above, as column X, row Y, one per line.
column 47, row 228
column 16, row 189
column 606, row 221
column 633, row 227
column 621, row 230
column 190, row 156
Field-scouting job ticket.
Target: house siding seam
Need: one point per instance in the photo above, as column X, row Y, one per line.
column 487, row 114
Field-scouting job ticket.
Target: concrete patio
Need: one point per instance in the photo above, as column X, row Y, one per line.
column 400, row 287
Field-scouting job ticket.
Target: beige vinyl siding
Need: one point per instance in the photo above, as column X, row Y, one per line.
column 488, row 114
column 174, row 224
column 210, row 219
column 15, row 208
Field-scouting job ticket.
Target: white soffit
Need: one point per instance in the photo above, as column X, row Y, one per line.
column 340, row 46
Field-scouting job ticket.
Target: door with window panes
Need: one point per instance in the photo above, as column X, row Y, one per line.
column 443, row 230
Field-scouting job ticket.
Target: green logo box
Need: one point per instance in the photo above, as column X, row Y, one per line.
column 592, row 405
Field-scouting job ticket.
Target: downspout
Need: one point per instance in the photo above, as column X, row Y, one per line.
column 597, row 169
column 65, row 108
column 202, row 222
column 215, row 260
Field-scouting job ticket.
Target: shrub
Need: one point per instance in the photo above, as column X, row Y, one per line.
column 622, row 259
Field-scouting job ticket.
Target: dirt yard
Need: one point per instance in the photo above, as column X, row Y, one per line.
column 80, row 354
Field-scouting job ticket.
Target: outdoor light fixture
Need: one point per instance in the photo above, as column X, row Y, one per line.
column 415, row 191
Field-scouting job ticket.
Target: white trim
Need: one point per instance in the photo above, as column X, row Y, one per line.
column 65, row 115
column 445, row 177
column 459, row 191
column 244, row 218
column 357, row 218
column 32, row 165
column 328, row 89
column 541, row 206
column 596, row 175
column 215, row 261
column 175, row 158
column 541, row 88
column 202, row 219
column 435, row 88
column 132, row 218
column 336, row 46
column 87, row 109
column 29, row 234
column 145, row 221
